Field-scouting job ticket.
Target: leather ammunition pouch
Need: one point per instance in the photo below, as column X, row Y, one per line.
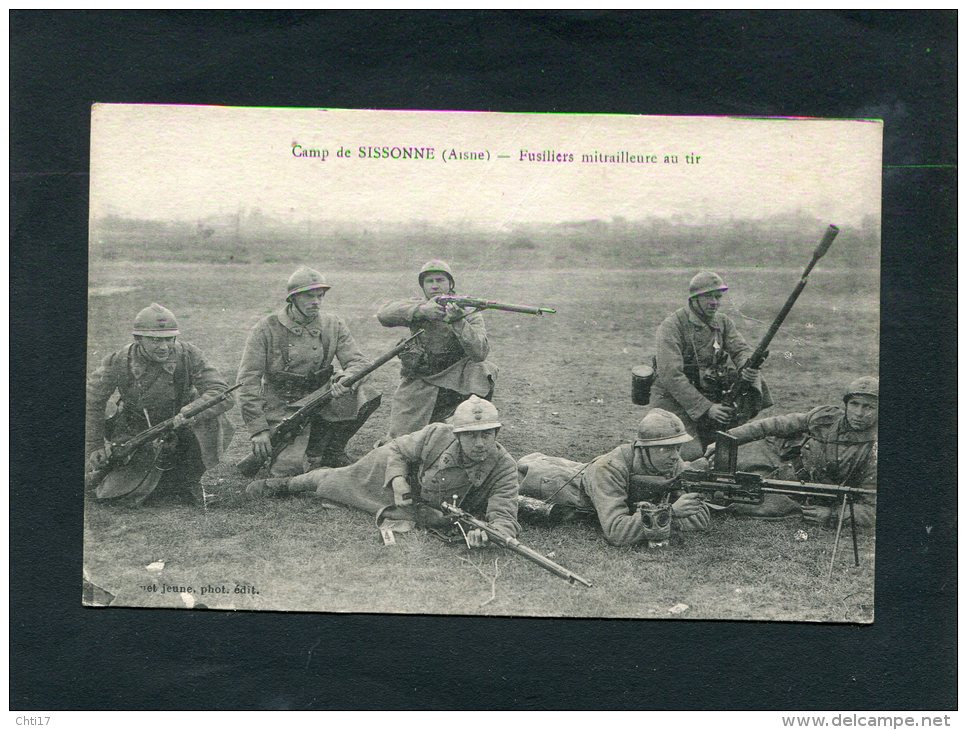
column 417, row 360
column 293, row 386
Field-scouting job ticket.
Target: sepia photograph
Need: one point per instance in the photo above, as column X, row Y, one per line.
column 481, row 363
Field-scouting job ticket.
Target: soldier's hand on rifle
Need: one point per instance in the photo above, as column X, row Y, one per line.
column 477, row 539
column 98, row 458
column 710, row 451
column 262, row 445
column 338, row 389
column 750, row 375
column 720, row 413
column 816, row 514
column 453, row 312
column 687, row 505
column 431, row 310
column 178, row 421
column 402, row 494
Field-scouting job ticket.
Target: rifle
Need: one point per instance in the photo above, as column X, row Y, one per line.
column 740, row 387
column 120, row 453
column 476, row 303
column 465, row 519
column 723, row 482
column 285, row 432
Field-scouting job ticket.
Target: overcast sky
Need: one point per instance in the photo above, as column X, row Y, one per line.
column 188, row 162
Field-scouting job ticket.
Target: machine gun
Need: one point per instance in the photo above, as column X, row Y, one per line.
column 119, row 453
column 740, row 394
column 722, row 482
column 476, row 303
column 286, row 431
column 468, row 521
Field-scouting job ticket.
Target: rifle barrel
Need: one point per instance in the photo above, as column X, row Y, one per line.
column 514, row 546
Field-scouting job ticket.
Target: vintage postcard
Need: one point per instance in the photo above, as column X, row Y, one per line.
column 482, row 363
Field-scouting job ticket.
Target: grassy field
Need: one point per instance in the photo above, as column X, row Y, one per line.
column 564, row 389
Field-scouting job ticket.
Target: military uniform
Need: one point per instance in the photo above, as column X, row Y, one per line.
column 286, row 357
column 433, row 462
column 603, row 487
column 448, row 363
column 685, row 352
column 818, row 446
column 150, row 392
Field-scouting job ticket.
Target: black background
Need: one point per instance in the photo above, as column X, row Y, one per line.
column 898, row 66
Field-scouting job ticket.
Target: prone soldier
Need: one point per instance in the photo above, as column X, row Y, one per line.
column 697, row 354
column 288, row 355
column 555, row 490
column 827, row 444
column 156, row 378
column 460, row 463
column 448, row 363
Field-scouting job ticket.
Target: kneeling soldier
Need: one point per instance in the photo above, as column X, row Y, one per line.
column 828, row 445
column 449, row 362
column 604, row 486
column 287, row 356
column 400, row 481
column 156, row 378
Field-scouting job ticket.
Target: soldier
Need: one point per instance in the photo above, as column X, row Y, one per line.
column 449, row 362
column 557, row 490
column 156, row 377
column 697, row 353
column 460, row 463
column 288, row 355
column 826, row 445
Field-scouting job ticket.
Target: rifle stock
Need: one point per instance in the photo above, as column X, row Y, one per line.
column 120, row 453
column 284, row 432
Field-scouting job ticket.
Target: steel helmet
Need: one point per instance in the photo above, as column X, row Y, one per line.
column 705, row 282
column 475, row 414
column 305, row 279
column 866, row 385
column 661, row 428
column 436, row 265
column 155, row 321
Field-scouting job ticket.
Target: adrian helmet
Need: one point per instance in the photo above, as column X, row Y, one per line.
column 705, row 282
column 155, row 321
column 661, row 428
column 438, row 266
column 866, row 385
column 305, row 279
column 475, row 414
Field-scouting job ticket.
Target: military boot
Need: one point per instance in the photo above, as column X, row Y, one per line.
column 262, row 488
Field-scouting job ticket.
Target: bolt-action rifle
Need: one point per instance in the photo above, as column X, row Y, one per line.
column 469, row 522
column 477, row 303
column 738, row 393
column 286, row 431
column 723, row 482
column 119, row 453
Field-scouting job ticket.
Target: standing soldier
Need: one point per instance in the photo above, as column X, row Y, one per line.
column 156, row 377
column 448, row 363
column 460, row 463
column 288, row 355
column 826, row 445
column 697, row 354
column 556, row 490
